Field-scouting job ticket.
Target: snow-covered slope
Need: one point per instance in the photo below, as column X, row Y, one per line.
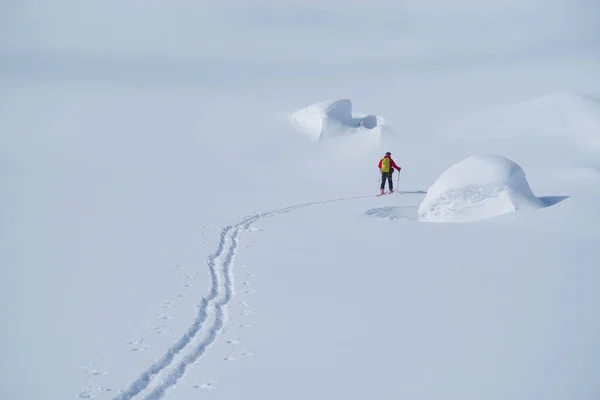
column 166, row 234
column 562, row 115
column 329, row 119
column 476, row 188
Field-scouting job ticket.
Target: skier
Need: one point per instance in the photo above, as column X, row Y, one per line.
column 386, row 166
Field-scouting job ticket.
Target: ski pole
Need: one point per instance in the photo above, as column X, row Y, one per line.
column 398, row 182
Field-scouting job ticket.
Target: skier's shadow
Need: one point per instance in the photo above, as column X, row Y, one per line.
column 409, row 192
column 397, row 212
column 400, row 212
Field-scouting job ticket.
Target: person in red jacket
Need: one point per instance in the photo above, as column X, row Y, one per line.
column 386, row 166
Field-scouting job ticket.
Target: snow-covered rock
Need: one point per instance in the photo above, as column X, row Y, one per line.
column 478, row 187
column 329, row 119
column 553, row 115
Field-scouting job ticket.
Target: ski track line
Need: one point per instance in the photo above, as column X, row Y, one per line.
column 220, row 293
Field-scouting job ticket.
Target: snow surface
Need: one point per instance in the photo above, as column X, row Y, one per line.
column 554, row 115
column 166, row 233
column 330, row 119
column 476, row 188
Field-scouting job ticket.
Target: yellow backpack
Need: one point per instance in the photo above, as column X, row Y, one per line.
column 385, row 165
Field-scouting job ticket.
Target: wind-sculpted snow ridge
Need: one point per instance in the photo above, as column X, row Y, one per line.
column 329, row 119
column 476, row 188
column 220, row 293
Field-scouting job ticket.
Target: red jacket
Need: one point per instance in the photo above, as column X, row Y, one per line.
column 392, row 163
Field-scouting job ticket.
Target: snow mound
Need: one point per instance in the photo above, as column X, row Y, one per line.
column 328, row 119
column 553, row 115
column 476, row 188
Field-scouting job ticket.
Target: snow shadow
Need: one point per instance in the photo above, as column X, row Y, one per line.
column 331, row 119
column 411, row 212
column 341, row 112
column 368, row 122
column 409, row 192
column 394, row 212
column 397, row 212
column 552, row 200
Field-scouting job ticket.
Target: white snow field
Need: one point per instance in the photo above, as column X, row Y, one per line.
column 551, row 115
column 476, row 188
column 168, row 233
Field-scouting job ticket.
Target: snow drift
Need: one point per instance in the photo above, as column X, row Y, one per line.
column 553, row 115
column 478, row 187
column 328, row 119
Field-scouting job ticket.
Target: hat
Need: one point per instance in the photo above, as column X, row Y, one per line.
column 388, row 153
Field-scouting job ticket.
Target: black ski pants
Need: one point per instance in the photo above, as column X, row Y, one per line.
column 388, row 176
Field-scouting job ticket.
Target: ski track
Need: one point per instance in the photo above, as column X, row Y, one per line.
column 219, row 294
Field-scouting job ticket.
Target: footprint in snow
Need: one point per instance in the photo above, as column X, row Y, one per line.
column 137, row 345
column 250, row 291
column 168, row 304
column 246, row 353
column 244, row 325
column 246, row 283
column 181, row 293
column 186, row 284
column 92, row 370
column 209, row 386
column 90, row 393
column 234, row 341
column 87, row 394
column 163, row 316
column 247, row 312
column 249, row 274
column 160, row 329
column 138, row 348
